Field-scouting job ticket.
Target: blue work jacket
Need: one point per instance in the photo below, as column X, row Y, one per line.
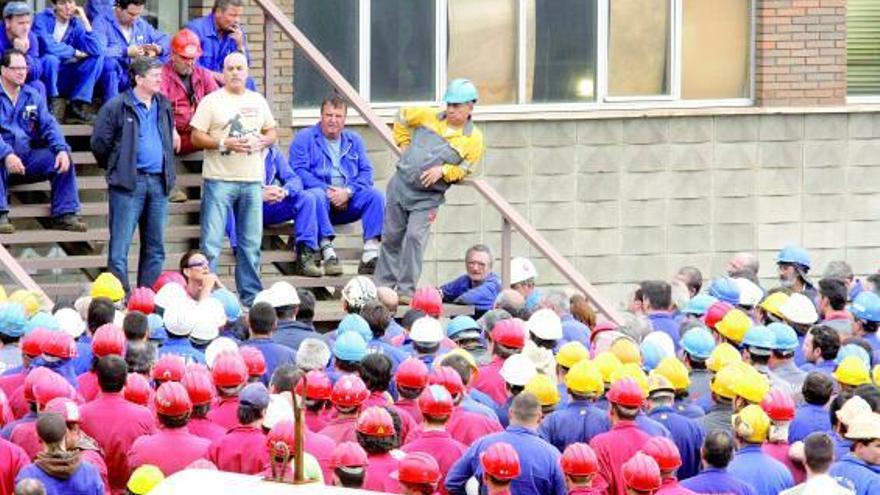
column 310, row 159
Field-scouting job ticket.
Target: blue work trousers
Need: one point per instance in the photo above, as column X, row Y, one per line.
column 299, row 207
column 39, row 165
column 366, row 205
column 77, row 79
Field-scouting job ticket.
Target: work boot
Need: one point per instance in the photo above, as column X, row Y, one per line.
column 69, row 222
column 177, row 196
column 305, row 263
column 367, row 267
column 332, row 267
column 79, row 114
column 6, row 226
column 58, row 106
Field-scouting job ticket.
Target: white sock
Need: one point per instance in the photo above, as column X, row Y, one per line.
column 371, row 250
column 327, row 250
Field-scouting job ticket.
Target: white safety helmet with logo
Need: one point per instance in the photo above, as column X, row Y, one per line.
column 522, row 269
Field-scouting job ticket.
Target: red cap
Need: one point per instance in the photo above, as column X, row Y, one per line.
column 436, row 402
column 284, row 432
column 137, row 389
column 417, row 468
column 34, row 375
column 141, row 299
column 166, row 277
column 501, row 461
column 428, row 300
column 172, row 400
column 348, row 454
column 641, row 473
column 412, row 373
column 229, row 370
column 716, row 313
column 32, row 343
column 199, row 386
column 186, row 43
column 778, row 405
column 59, row 344
column 509, row 333
column 626, row 392
column 579, row 460
column 254, row 360
column 447, row 377
column 375, row 422
column 64, row 407
column 169, row 367
column 52, row 386
column 319, row 388
column 664, row 451
column 349, row 391
column 108, row 339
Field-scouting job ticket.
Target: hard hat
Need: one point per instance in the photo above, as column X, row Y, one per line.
column 627, row 351
column 435, row 401
column 107, row 285
column 715, row 313
column 359, row 291
column 750, row 294
column 725, row 289
column 760, row 340
column 852, row 371
column 542, row 387
column 428, row 300
column 448, row 378
column 460, row 91
column 108, row 339
column 375, row 421
column 229, row 370
column 13, row 319
column 211, row 311
column 70, row 322
column 157, row 329
column 626, row 392
column 172, row 400
column 59, row 345
column 664, row 451
column 426, row 330
column 699, row 304
column 753, row 386
column 698, row 343
column 458, row 351
column 230, row 303
column 852, row 409
column 607, row 363
column 51, row 386
column 853, row 350
column 353, row 323
column 779, row 405
column 751, row 424
column 794, row 254
column 412, row 373
column 571, row 353
column 866, row 306
column 464, row 325
column 509, row 333
column 349, row 347
column 658, row 383
column 319, row 386
column 144, row 479
column 773, row 302
column 722, row 382
column 500, row 461
column 348, row 454
column 641, row 473
column 219, row 346
column 42, row 319
column 167, row 277
column 169, row 368
column 521, row 269
column 170, row 294
column 282, row 437
column 545, row 324
column 32, row 343
column 784, row 336
column 349, row 391
column 417, row 468
column 285, row 294
column 517, row 370
column 734, row 325
column 253, row 360
column 652, row 354
column 142, row 299
column 663, row 340
column 799, row 309
column 267, row 296
column 675, row 371
column 64, row 407
column 33, row 376
column 584, row 377
column 723, row 355
column 178, row 317
column 865, row 427
column 579, row 459
column 28, row 300
column 199, row 386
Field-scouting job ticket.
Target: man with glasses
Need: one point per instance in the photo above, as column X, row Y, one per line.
column 479, row 285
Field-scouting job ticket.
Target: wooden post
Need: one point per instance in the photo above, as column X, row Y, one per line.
column 506, row 232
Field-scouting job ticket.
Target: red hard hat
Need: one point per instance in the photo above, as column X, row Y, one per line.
column 501, row 461
column 428, row 300
column 141, row 299
column 579, row 460
column 348, row 454
column 375, row 422
column 715, row 313
column 254, row 360
column 169, row 276
column 34, row 375
column 510, row 333
column 664, row 451
column 172, row 400
column 32, row 343
column 137, row 389
column 641, row 473
column 436, row 401
column 169, row 367
column 778, row 405
column 447, row 377
column 320, row 387
column 199, row 386
column 284, row 432
column 64, row 407
column 52, row 386
column 108, row 339
column 229, row 370
column 59, row 344
column 412, row 373
column 186, row 43
column 418, row 468
column 626, row 392
column 349, row 391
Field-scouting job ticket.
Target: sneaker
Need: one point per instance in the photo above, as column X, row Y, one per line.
column 6, row 226
column 177, row 196
column 367, row 267
column 69, row 222
column 305, row 263
column 79, row 114
column 58, row 107
column 332, row 267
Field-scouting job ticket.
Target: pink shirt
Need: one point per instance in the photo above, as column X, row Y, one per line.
column 205, row 428
column 489, row 381
column 466, row 427
column 12, row 460
column 613, row 448
column 412, row 407
column 442, row 447
column 242, row 450
column 340, row 429
column 94, row 458
column 171, row 450
column 225, row 413
column 670, row 486
column 316, row 420
column 779, row 451
column 321, row 447
column 88, row 385
column 25, row 436
column 379, row 467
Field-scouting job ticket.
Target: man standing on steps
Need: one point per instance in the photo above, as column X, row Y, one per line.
column 440, row 148
column 134, row 139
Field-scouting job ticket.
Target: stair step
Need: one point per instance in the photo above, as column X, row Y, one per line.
column 93, row 209
column 99, row 183
column 174, row 233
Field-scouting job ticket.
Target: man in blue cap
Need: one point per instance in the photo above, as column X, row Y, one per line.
column 782, row 359
column 793, row 265
column 865, row 309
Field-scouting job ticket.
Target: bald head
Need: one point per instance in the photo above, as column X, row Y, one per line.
column 235, row 72
column 743, row 262
column 388, row 298
column 511, row 301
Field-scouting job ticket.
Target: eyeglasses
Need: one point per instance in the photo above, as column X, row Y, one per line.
column 17, row 69
column 197, row 264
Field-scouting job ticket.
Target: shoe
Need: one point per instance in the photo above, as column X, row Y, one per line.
column 79, row 114
column 367, row 267
column 58, row 107
column 6, row 226
column 404, row 300
column 305, row 263
column 69, row 222
column 332, row 267
column 177, row 196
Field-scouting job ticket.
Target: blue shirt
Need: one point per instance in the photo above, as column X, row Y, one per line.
column 310, row 159
column 215, row 46
column 27, row 124
column 95, row 8
column 574, row 331
column 826, row 367
column 83, row 360
column 667, row 323
column 291, row 333
column 182, row 347
column 75, row 37
column 462, row 291
column 470, row 403
column 274, row 354
column 651, row 427
column 84, row 481
column 842, row 446
column 857, row 474
column 688, row 409
column 715, row 480
column 687, row 435
column 766, row 474
column 579, row 421
column 808, row 418
column 106, row 28
column 150, row 157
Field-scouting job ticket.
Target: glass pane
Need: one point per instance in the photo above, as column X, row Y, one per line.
column 561, row 50
column 482, row 47
column 863, row 47
column 402, row 50
column 638, row 48
column 715, row 49
column 332, row 26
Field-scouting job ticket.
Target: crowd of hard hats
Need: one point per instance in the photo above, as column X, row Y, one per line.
column 734, row 389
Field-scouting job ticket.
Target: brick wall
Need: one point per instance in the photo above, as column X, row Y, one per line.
column 800, row 52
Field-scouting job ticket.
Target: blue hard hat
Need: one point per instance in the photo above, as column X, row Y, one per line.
column 357, row 324
column 794, row 254
column 699, row 304
column 786, row 337
column 698, row 342
column 866, row 306
column 41, row 319
column 157, row 328
column 853, row 350
column 461, row 323
column 13, row 320
column 652, row 354
column 725, row 289
column 230, row 303
column 460, row 91
column 761, row 337
column 349, row 346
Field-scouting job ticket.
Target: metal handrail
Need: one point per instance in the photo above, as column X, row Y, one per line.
column 21, row 276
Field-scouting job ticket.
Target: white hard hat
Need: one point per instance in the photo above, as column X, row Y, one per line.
column 177, row 317
column 799, row 309
column 204, row 323
column 518, row 370
column 521, row 269
column 285, row 294
column 70, row 322
column 545, row 324
column 265, row 296
column 214, row 309
column 864, row 427
column 169, row 294
column 359, row 291
column 749, row 293
column 219, row 346
column 426, row 330
column 661, row 340
column 852, row 409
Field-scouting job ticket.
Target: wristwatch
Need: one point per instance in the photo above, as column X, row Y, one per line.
column 221, row 146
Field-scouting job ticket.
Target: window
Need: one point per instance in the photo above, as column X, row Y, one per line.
column 715, row 49
column 402, row 50
column 863, row 47
column 638, row 47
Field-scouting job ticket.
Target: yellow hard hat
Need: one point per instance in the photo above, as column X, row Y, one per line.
column 627, row 351
column 751, row 424
column 723, row 355
column 734, row 325
column 542, row 387
column 584, row 377
column 631, row 370
column 27, row 299
column 570, row 353
column 2, row 294
column 752, row 385
column 852, row 371
column 675, row 371
column 875, row 374
column 458, row 351
column 144, row 479
column 773, row 302
column 722, row 382
column 607, row 363
column 107, row 285
column 657, row 383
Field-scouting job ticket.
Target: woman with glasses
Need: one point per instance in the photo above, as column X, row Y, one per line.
column 200, row 281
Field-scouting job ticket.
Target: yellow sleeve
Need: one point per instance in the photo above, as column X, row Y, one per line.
column 471, row 156
column 407, row 119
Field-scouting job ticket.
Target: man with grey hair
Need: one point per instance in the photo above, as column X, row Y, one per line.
column 511, row 301
column 313, row 354
column 572, row 330
column 478, row 286
column 692, row 277
column 842, row 270
column 743, row 261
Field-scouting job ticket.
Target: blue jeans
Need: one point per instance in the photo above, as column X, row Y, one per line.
column 145, row 208
column 299, row 207
column 246, row 202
